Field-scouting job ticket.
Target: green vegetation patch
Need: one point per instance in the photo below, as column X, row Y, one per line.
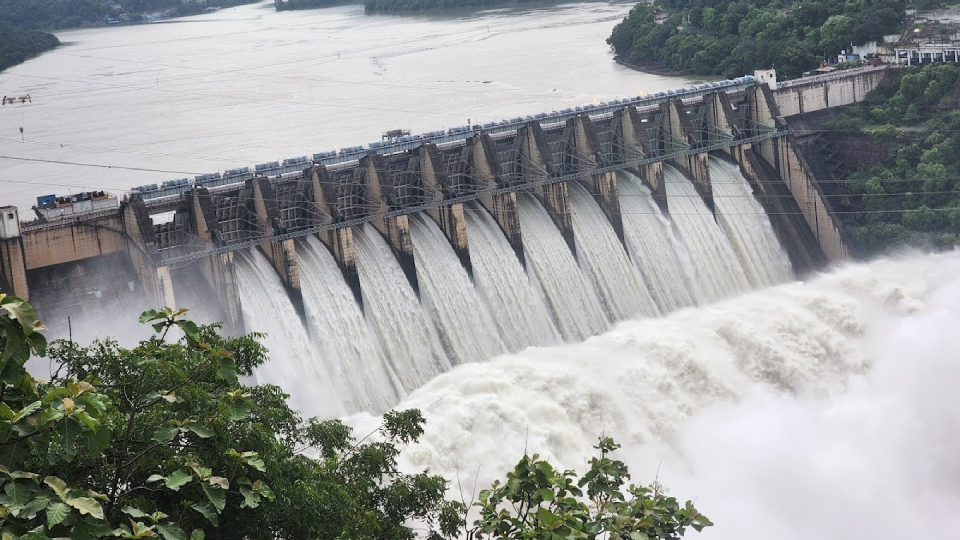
column 734, row 38
column 912, row 198
column 414, row 5
column 18, row 45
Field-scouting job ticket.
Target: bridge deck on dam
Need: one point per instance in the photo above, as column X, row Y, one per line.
column 438, row 173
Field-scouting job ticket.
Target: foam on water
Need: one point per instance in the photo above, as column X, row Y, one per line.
column 828, row 408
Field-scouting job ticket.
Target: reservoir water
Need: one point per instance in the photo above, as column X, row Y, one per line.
column 248, row 85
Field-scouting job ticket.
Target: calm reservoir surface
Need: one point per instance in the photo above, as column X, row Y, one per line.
column 249, row 85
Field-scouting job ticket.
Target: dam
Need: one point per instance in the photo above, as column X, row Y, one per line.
column 378, row 268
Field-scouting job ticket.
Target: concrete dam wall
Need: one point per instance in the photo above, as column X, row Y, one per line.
column 548, row 161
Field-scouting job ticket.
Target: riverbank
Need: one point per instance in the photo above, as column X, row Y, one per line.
column 653, row 68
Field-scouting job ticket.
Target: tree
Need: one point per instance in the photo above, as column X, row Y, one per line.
column 538, row 502
column 836, row 33
column 125, row 459
column 163, row 438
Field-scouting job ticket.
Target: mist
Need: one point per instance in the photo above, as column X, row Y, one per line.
column 823, row 409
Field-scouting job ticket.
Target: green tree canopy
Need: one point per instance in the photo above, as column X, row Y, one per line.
column 165, row 440
column 735, row 38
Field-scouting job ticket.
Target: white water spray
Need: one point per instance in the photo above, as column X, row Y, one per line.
column 338, row 329
column 393, row 309
column 466, row 329
column 293, row 364
column 748, row 226
column 517, row 307
column 573, row 302
column 825, row 409
column 718, row 270
column 654, row 247
column 620, row 286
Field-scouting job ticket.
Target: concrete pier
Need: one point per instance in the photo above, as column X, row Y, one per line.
column 481, row 161
column 679, row 132
column 321, row 197
column 449, row 217
column 217, row 270
column 395, row 229
column 281, row 253
column 535, row 163
column 603, row 186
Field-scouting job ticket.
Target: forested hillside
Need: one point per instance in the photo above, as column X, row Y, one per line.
column 18, row 45
column 57, row 14
column 735, row 38
column 412, row 5
column 283, row 5
column 912, row 198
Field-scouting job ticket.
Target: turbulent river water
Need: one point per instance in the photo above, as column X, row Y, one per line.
column 821, row 409
column 247, row 85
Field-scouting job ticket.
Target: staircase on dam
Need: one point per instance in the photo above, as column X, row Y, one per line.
column 746, row 123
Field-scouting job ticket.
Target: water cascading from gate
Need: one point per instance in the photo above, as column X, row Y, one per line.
column 342, row 359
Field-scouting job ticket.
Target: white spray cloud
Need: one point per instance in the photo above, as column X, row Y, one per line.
column 825, row 409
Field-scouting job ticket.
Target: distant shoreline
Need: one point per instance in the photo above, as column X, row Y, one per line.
column 652, row 68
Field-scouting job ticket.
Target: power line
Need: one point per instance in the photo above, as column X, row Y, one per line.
column 58, row 162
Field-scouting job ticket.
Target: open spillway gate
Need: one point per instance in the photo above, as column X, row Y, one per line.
column 741, row 123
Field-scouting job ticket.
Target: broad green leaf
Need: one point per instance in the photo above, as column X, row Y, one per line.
column 155, row 478
column 264, row 490
column 216, row 496
column 200, row 431
column 27, row 411
column 34, row 507
column 88, row 422
column 49, row 416
column 141, row 530
column 250, row 498
column 150, row 315
column 133, row 512
column 227, row 369
column 165, row 434
column 39, row 342
column 208, row 512
column 171, row 531
column 56, row 513
column 14, row 346
column 55, row 393
column 238, row 409
column 99, row 441
column 95, row 495
column 197, row 534
column 70, row 430
column 21, row 474
column 255, row 462
column 87, row 505
column 18, row 492
column 191, row 330
column 57, row 485
column 546, row 494
column 177, row 479
column 24, row 313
